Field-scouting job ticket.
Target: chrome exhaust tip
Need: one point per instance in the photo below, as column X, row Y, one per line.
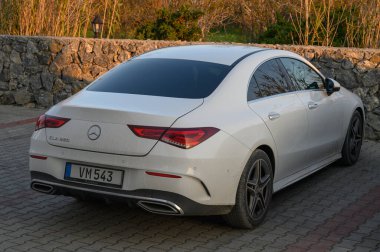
column 158, row 207
column 43, row 188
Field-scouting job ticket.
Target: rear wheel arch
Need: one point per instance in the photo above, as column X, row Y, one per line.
column 255, row 186
column 268, row 150
column 361, row 112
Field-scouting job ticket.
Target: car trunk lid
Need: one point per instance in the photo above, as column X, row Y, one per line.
column 99, row 121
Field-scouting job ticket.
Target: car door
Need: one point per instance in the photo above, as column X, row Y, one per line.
column 322, row 114
column 271, row 96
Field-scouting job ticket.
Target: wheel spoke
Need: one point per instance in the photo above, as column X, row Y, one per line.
column 252, row 183
column 353, row 148
column 356, row 123
column 358, row 134
column 352, row 143
column 251, row 187
column 353, row 132
column 264, row 182
column 260, row 204
column 254, row 205
column 258, row 170
column 251, row 202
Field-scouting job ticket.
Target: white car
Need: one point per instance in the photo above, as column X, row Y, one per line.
column 197, row 130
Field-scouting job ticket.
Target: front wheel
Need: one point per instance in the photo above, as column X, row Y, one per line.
column 254, row 192
column 353, row 142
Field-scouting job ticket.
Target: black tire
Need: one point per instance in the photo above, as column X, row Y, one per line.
column 354, row 139
column 253, row 194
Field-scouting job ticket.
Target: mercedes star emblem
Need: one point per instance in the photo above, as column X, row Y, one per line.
column 94, row 132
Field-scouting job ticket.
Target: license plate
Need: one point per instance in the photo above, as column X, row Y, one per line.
column 94, row 175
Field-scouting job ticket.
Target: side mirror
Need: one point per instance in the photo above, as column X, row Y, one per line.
column 331, row 86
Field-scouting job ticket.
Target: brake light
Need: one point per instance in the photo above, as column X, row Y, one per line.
column 46, row 121
column 147, row 132
column 40, row 124
column 185, row 138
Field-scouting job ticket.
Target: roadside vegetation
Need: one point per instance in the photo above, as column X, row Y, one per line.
column 354, row 23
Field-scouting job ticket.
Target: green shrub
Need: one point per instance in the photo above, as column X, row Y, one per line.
column 181, row 24
column 280, row 32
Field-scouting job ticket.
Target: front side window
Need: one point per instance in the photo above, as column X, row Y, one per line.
column 163, row 77
column 271, row 79
column 302, row 75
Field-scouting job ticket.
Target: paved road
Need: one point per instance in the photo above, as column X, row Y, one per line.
column 337, row 209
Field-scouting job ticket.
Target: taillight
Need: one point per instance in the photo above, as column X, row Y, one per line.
column 148, row 132
column 40, row 124
column 46, row 121
column 185, row 138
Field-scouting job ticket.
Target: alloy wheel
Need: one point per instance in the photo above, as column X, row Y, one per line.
column 356, row 137
column 258, row 191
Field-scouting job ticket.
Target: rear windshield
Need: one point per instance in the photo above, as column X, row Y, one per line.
column 163, row 77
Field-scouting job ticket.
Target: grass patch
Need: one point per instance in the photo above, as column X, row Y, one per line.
column 228, row 34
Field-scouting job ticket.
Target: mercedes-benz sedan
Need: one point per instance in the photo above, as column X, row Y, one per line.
column 197, row 130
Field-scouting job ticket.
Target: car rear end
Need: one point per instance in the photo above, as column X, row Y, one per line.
column 117, row 140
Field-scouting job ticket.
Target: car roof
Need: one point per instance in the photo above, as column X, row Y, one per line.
column 220, row 54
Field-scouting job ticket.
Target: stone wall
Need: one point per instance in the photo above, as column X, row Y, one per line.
column 41, row 71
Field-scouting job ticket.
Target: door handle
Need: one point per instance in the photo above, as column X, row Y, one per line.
column 273, row 116
column 312, row 105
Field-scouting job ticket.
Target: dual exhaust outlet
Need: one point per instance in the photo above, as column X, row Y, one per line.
column 43, row 188
column 167, row 208
column 153, row 206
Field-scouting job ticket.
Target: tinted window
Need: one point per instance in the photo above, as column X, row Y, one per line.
column 271, row 79
column 163, row 77
column 302, row 75
column 253, row 90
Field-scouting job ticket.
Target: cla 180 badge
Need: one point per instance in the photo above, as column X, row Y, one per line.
column 60, row 139
column 94, row 132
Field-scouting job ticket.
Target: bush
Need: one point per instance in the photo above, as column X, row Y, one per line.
column 181, row 24
column 279, row 32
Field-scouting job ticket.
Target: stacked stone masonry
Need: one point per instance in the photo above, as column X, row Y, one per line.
column 41, row 71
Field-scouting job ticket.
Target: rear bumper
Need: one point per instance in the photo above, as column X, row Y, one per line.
column 155, row 201
column 209, row 173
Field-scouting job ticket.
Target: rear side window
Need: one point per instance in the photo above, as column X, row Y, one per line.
column 302, row 75
column 163, row 77
column 253, row 90
column 271, row 79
